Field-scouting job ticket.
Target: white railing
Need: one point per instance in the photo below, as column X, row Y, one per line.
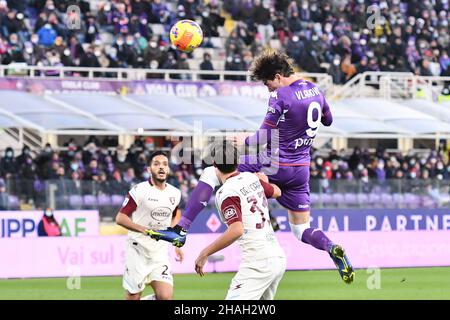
column 390, row 85
column 387, row 85
column 22, row 70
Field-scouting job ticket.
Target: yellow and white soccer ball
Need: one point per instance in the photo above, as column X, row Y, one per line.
column 186, row 35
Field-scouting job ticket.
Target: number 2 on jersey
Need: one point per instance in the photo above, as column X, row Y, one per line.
column 255, row 207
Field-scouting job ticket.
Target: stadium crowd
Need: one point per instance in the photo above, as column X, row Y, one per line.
column 341, row 37
column 95, row 169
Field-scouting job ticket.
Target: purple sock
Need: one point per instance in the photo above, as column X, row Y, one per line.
column 197, row 201
column 317, row 239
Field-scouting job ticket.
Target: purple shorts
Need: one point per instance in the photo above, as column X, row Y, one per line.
column 292, row 180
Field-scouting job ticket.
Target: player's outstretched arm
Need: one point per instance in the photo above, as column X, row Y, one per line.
column 234, row 232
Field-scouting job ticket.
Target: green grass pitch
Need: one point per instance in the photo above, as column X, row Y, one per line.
column 404, row 283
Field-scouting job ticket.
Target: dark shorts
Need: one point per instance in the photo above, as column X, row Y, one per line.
column 292, row 180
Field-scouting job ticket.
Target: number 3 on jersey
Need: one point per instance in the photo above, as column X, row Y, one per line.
column 255, row 207
column 313, row 124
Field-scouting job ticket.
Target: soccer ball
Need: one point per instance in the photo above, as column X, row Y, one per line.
column 186, row 35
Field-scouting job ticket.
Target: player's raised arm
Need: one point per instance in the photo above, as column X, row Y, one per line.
column 327, row 117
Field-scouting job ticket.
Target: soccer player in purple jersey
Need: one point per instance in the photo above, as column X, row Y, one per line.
column 296, row 108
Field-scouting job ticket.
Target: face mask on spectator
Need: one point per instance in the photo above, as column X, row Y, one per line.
column 29, row 50
column 74, row 166
column 48, row 213
column 9, row 154
column 153, row 44
column 130, row 42
column 97, row 53
column 121, row 157
column 154, row 64
column 35, row 39
column 439, row 166
column 360, row 167
column 363, row 42
column 119, row 42
column 328, row 28
column 146, row 175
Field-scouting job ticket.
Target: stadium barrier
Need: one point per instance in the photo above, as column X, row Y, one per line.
column 73, row 223
column 105, row 256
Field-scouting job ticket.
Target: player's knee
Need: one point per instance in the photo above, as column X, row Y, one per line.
column 298, row 229
column 132, row 296
column 164, row 295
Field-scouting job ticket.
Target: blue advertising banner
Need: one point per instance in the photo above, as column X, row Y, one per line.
column 347, row 220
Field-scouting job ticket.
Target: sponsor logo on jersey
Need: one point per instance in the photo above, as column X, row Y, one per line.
column 124, row 203
column 161, row 213
column 274, row 94
column 229, row 213
column 172, row 200
column 303, row 206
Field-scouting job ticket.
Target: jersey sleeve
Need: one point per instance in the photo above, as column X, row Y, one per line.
column 129, row 205
column 327, row 117
column 230, row 209
column 209, row 177
column 268, row 188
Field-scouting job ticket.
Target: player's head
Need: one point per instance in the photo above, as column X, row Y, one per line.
column 158, row 166
column 225, row 156
column 271, row 67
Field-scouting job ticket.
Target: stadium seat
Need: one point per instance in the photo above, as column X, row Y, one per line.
column 363, row 198
column 103, row 200
column 350, row 199
column 217, row 42
column 14, row 203
column 428, row 202
column 399, row 200
column 412, row 201
column 338, row 199
column 75, row 201
column 326, row 199
column 374, row 200
column 387, row 200
column 314, row 198
column 158, row 29
column 89, row 201
column 117, row 200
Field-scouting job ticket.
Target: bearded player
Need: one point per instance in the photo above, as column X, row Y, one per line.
column 151, row 204
column 296, row 108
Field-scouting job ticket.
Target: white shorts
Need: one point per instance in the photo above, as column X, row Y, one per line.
column 257, row 280
column 140, row 269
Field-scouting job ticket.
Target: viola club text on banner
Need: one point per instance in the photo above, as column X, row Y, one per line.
column 73, row 223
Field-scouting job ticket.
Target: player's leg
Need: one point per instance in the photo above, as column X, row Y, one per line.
column 295, row 198
column 251, row 280
column 163, row 290
column 161, row 279
column 300, row 227
column 198, row 200
column 278, row 269
column 134, row 278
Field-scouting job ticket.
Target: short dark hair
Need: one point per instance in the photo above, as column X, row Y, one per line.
column 155, row 154
column 225, row 156
column 269, row 63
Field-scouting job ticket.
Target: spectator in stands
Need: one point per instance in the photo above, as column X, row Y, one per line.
column 4, row 197
column 208, row 66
